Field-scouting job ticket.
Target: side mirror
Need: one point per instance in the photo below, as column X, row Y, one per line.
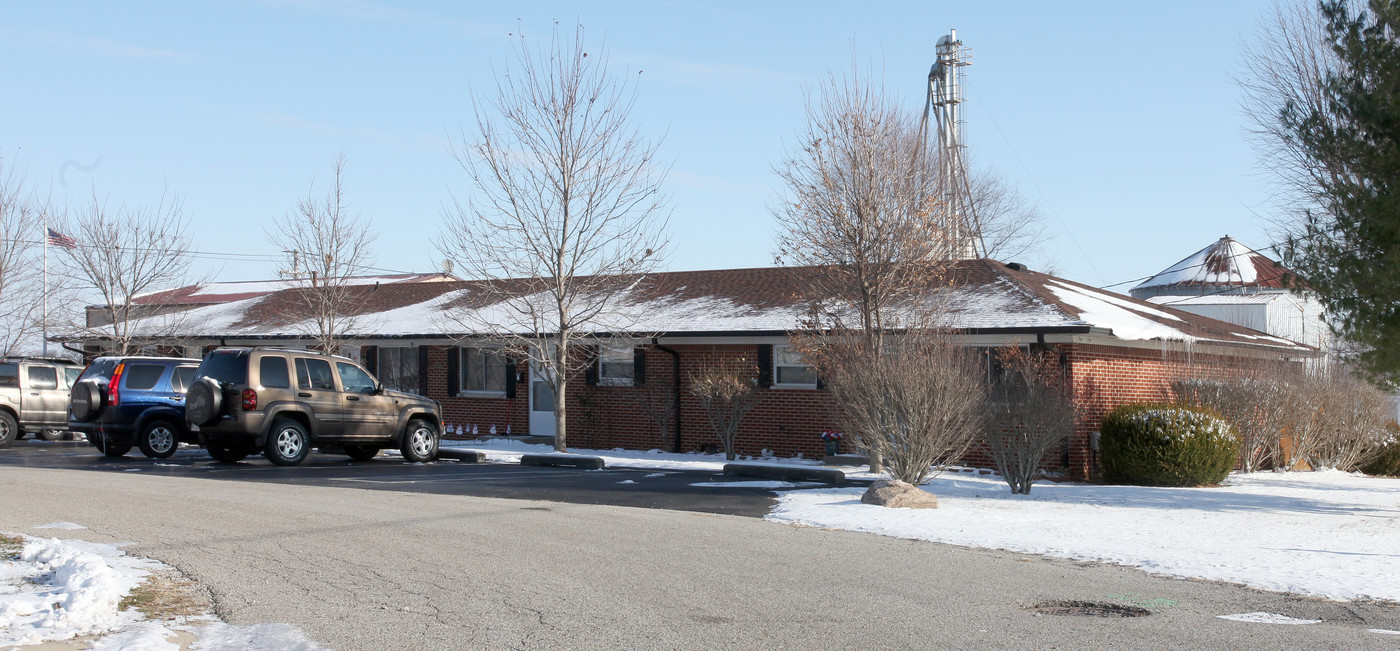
column 375, row 390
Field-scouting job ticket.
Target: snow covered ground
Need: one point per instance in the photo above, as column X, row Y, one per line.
column 1332, row 535
column 56, row 590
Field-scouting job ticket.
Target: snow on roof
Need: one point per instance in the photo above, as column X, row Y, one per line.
column 236, row 290
column 983, row 296
column 1225, row 262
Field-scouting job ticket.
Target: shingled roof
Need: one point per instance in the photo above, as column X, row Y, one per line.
column 985, row 296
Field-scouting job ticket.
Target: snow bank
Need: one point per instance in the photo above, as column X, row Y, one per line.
column 1322, row 534
column 61, row 589
column 500, row 450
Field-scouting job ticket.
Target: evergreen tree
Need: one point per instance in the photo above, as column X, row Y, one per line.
column 1347, row 249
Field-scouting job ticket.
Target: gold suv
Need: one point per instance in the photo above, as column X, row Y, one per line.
column 282, row 403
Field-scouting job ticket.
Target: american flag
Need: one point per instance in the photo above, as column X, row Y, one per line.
column 59, row 239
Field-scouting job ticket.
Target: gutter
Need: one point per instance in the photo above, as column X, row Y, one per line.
column 676, row 373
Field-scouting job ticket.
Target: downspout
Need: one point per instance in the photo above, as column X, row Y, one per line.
column 675, row 373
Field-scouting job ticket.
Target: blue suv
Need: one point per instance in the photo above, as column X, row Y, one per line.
column 121, row 402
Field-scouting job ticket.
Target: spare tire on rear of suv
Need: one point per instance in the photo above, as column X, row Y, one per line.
column 86, row 400
column 203, row 402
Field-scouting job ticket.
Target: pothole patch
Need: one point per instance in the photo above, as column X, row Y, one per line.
column 1088, row 609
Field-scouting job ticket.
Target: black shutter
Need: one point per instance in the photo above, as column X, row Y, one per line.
column 422, row 370
column 765, row 365
column 590, row 376
column 369, row 356
column 639, row 366
column 821, row 383
column 454, row 374
column 510, row 378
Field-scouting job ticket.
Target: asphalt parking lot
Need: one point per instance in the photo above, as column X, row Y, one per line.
column 643, row 488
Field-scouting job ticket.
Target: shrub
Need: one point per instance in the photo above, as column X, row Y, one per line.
column 1387, row 461
column 1166, row 445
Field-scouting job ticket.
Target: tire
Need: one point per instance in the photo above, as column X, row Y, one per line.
column 204, row 402
column 158, row 439
column 227, row 453
column 52, row 434
column 9, row 429
column 362, row 452
column 109, row 449
column 86, row 400
column 287, row 443
column 420, row 441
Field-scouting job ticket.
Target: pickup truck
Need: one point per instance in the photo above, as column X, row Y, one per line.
column 34, row 397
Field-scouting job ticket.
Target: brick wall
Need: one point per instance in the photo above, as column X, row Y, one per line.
column 1106, row 377
column 787, row 422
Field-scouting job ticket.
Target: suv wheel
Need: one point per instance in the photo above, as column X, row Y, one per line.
column 9, row 429
column 420, row 441
column 362, row 452
column 287, row 443
column 52, row 434
column 227, row 453
column 158, row 439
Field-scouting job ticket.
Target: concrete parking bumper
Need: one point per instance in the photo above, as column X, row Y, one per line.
column 786, row 473
column 562, row 460
column 468, row 456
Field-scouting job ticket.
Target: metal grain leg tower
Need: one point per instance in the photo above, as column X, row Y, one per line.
column 945, row 81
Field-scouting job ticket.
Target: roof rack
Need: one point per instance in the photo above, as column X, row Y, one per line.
column 36, row 358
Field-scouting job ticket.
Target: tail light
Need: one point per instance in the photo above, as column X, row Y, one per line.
column 250, row 400
column 113, row 395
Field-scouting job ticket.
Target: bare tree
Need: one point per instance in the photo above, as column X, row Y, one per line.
column 1354, row 419
column 1012, row 226
column 1030, row 410
column 1258, row 396
column 1286, row 70
column 861, row 209
column 327, row 246
column 657, row 405
column 21, row 285
column 566, row 201
column 727, row 392
column 118, row 256
column 862, row 213
column 917, row 403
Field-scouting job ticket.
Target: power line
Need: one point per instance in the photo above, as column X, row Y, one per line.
column 1027, row 170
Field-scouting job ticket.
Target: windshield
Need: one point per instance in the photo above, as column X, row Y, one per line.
column 226, row 366
column 100, row 368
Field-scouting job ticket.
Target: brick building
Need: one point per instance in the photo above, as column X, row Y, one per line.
column 412, row 336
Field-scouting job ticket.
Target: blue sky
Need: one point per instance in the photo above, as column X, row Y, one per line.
column 1120, row 120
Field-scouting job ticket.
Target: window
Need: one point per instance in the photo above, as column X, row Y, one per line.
column 71, row 373
column 398, row 368
column 273, row 371
column 483, row 370
column 226, row 366
column 790, row 370
column 314, row 374
column 616, row 366
column 43, row 377
column 142, row 377
column 9, row 375
column 354, row 379
column 183, row 377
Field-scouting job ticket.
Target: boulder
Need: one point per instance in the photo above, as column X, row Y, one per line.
column 897, row 494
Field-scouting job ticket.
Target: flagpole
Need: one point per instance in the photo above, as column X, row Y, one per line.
column 44, row 327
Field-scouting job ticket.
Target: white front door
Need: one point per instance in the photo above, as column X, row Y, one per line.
column 541, row 403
